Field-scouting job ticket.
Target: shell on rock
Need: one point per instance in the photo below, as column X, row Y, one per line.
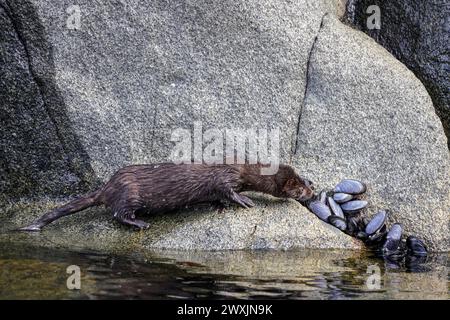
column 320, row 209
column 376, row 222
column 350, row 186
column 341, row 197
column 353, row 206
column 416, row 246
column 338, row 222
column 323, row 196
column 335, row 208
column 393, row 238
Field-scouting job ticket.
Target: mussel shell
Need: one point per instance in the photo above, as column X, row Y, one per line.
column 350, row 186
column 416, row 246
column 353, row 206
column 395, row 233
column 393, row 238
column 341, row 197
column 335, row 208
column 323, row 197
column 376, row 222
column 320, row 209
column 338, row 222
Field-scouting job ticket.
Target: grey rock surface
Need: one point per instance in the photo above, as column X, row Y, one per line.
column 40, row 153
column 81, row 103
column 134, row 72
column 417, row 33
column 366, row 116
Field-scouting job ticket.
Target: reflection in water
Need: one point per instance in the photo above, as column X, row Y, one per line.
column 30, row 273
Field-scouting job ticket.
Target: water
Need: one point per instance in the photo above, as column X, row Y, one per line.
column 40, row 273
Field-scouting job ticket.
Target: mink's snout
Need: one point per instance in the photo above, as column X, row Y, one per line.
column 306, row 194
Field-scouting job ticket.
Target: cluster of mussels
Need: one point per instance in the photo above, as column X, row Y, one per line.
column 343, row 209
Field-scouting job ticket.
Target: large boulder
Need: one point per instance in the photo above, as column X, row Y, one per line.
column 368, row 117
column 83, row 100
column 417, row 33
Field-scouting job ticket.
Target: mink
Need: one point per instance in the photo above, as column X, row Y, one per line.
column 165, row 187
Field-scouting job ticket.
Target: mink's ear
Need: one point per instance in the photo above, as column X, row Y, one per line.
column 289, row 185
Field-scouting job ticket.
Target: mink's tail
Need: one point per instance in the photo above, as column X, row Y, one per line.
column 90, row 200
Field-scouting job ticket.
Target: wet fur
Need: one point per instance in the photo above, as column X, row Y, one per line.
column 166, row 187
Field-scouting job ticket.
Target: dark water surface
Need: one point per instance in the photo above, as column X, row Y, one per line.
column 40, row 273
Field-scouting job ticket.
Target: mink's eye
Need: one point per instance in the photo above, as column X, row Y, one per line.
column 308, row 183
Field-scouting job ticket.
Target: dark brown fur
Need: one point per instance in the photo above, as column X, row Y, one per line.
column 165, row 187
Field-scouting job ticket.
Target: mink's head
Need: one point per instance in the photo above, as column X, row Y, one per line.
column 294, row 186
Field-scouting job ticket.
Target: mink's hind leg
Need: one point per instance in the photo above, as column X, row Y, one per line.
column 125, row 208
